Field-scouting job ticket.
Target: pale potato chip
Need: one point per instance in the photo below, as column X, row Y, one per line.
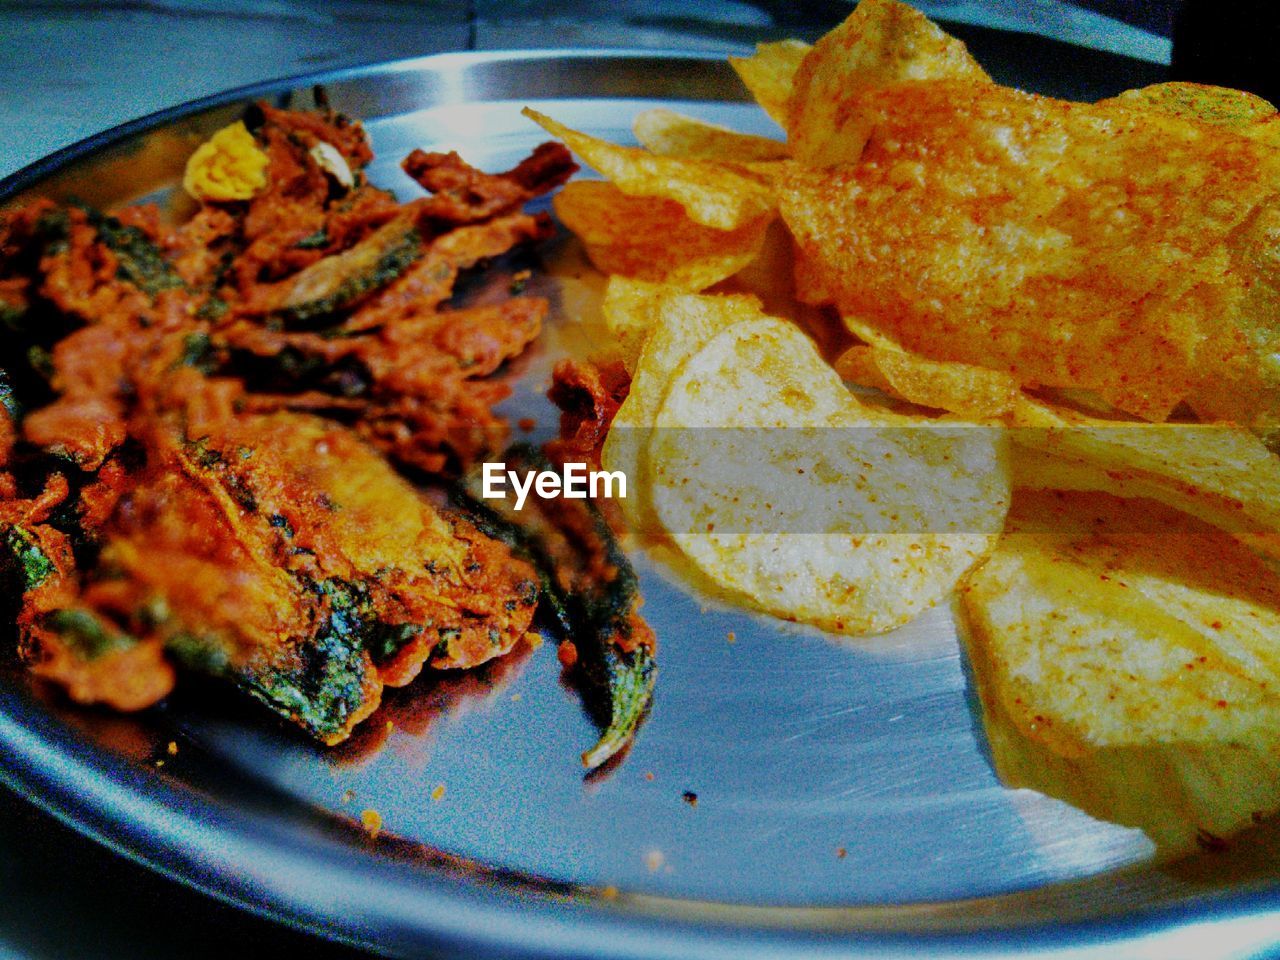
column 956, row 387
column 679, row 325
column 1126, row 658
column 883, row 42
column 717, row 195
column 1218, row 473
column 648, row 238
column 672, row 134
column 770, row 75
column 782, row 488
column 630, row 311
column 1235, row 110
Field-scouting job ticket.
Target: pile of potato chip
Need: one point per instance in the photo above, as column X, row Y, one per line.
column 1049, row 398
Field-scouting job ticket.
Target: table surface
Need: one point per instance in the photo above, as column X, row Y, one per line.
column 69, row 69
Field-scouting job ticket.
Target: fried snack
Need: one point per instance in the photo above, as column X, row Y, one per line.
column 717, row 195
column 770, row 74
column 679, row 326
column 1236, row 110
column 1102, row 248
column 781, row 487
column 176, row 504
column 630, row 310
column 227, row 166
column 671, row 134
column 1126, row 660
column 882, row 43
column 956, row 387
column 1219, row 473
column 652, row 239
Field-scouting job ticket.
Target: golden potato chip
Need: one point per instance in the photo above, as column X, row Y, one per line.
column 713, row 194
column 1218, row 473
column 630, row 311
column 648, row 238
column 770, row 75
column 883, row 42
column 680, row 325
column 672, row 134
column 1235, row 110
column 955, row 387
column 782, row 488
column 992, row 227
column 1126, row 659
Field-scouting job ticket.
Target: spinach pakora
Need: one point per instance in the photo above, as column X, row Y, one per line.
column 201, row 425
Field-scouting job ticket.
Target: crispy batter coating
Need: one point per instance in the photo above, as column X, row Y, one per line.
column 169, row 497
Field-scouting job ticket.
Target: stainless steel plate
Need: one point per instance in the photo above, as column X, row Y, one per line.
column 846, row 801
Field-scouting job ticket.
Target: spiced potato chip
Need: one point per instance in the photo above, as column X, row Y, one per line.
column 785, row 490
column 716, row 195
column 649, row 238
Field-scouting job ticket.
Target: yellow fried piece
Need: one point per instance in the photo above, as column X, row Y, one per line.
column 882, row 42
column 770, row 73
column 1126, row 659
column 956, row 387
column 713, row 194
column 1058, row 244
column 677, row 327
column 1236, row 110
column 648, row 238
column 672, row 134
column 783, row 489
column 1218, row 473
column 630, row 311
column 227, row 166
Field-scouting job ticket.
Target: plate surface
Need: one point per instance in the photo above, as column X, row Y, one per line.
column 845, row 800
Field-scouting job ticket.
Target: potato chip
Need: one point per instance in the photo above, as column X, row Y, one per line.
column 680, row 325
column 1128, row 670
column 992, row 227
column 713, row 194
column 672, row 134
column 630, row 311
column 770, row 75
column 1235, row 110
column 955, row 387
column 782, row 488
column 648, row 238
column 1218, row 473
column 883, row 42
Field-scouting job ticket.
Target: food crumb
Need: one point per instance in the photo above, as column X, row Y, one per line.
column 517, row 697
column 390, row 725
column 690, row 798
column 649, row 775
column 438, row 792
column 526, row 424
column 609, row 893
column 159, row 764
column 172, row 748
column 654, row 860
column 568, row 654
column 732, row 637
column 841, row 853
column 372, row 821
column 347, row 796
